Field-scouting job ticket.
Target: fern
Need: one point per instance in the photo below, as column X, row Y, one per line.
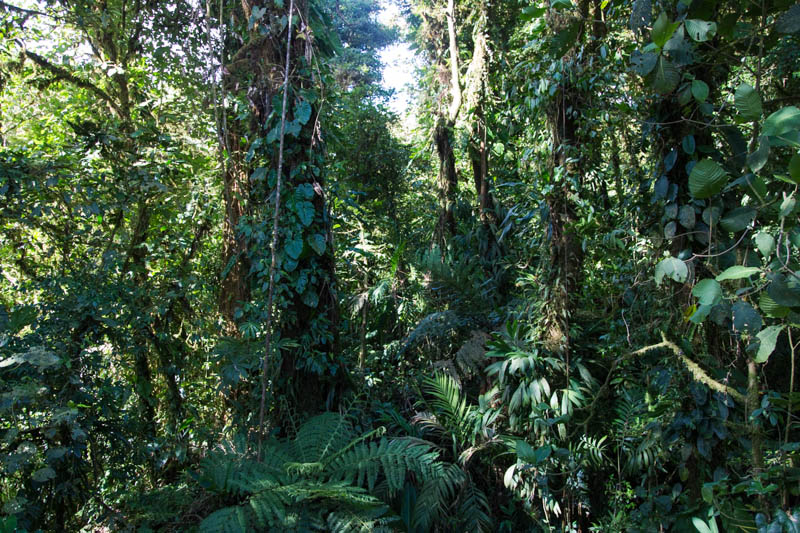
column 328, row 477
column 227, row 520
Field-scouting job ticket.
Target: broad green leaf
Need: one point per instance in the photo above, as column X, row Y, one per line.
column 302, row 112
column 317, row 243
column 687, row 217
column 670, row 230
column 701, row 313
column 794, row 168
column 700, row 525
column 770, row 308
column 294, row 247
column 748, row 102
column 758, row 159
column 765, row 243
column 711, row 215
column 708, row 292
column 560, row 4
column 707, row 179
column 737, row 219
column 754, row 186
column 787, row 206
column 673, row 268
column 258, row 174
column 784, row 291
column 781, row 122
column 643, row 64
column 305, row 212
column 689, row 144
column 663, row 30
column 789, row 22
column 700, row 30
column 665, row 76
column 310, row 298
column 641, row 14
column 700, row 90
column 769, row 338
column 745, row 318
column 531, row 12
column 707, row 492
column 43, row 474
column 737, row 272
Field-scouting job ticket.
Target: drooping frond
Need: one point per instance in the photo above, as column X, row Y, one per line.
column 393, row 459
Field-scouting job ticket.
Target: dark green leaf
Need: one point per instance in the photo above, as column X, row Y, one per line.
column 643, row 64
column 663, row 30
column 305, row 212
column 770, row 308
column 783, row 121
column 302, row 112
column 789, row 22
column 794, row 168
column 745, row 318
column 748, row 103
column 784, row 291
column 317, row 243
column 665, row 76
column 700, row 90
column 737, row 219
column 689, row 144
column 687, row 217
column 707, row 179
column 758, row 159
column 294, row 247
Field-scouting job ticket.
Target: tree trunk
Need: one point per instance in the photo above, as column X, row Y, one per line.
column 235, row 282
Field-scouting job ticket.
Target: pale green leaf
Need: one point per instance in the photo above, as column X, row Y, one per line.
column 708, row 292
column 672, row 268
column 769, row 338
column 700, row 30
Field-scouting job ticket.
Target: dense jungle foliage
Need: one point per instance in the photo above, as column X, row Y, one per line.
column 561, row 292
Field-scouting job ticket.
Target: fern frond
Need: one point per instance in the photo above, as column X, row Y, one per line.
column 435, row 494
column 393, row 458
column 474, row 513
column 227, row 520
column 321, row 436
column 451, row 408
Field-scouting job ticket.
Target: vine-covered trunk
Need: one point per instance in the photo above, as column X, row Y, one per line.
column 448, row 182
column 235, row 279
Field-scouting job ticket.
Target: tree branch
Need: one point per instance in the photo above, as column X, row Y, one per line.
column 697, row 373
column 65, row 75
